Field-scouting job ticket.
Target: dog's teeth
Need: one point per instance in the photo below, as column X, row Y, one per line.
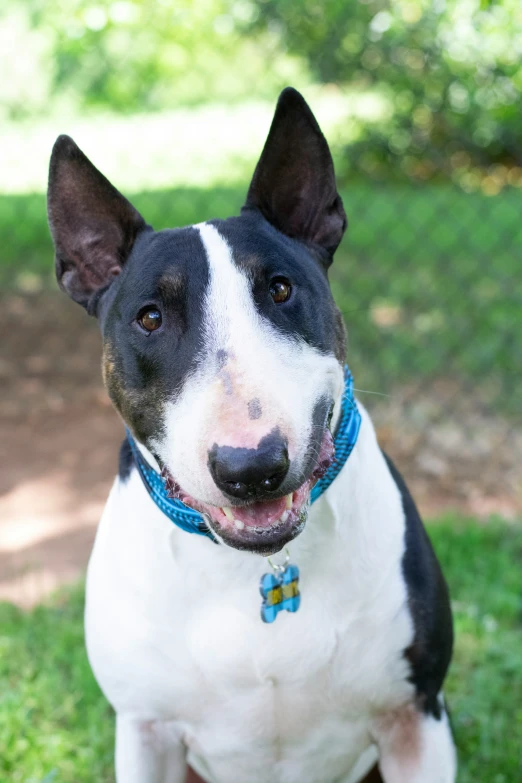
column 240, row 525
column 289, row 501
column 228, row 513
column 285, row 515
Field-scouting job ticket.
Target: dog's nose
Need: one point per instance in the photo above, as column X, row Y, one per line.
column 250, row 473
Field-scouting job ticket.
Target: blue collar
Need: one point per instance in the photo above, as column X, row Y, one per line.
column 193, row 522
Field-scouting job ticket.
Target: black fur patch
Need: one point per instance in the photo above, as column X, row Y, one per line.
column 430, row 653
column 168, row 270
column 263, row 252
column 126, row 461
column 255, row 410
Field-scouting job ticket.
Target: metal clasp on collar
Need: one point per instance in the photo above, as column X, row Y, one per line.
column 277, row 567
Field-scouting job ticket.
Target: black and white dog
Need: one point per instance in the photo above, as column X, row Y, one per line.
column 224, row 354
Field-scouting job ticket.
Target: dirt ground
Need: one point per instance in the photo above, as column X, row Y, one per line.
column 59, row 440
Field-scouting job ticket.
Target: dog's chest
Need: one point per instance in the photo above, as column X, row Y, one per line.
column 269, row 691
column 173, row 635
column 301, row 689
column 299, row 693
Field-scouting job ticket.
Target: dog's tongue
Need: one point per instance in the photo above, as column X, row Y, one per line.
column 261, row 514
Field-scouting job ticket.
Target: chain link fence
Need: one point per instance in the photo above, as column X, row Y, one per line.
column 432, row 296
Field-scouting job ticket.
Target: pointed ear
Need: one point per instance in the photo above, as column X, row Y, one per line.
column 294, row 182
column 92, row 225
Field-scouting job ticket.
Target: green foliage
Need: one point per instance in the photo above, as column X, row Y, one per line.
column 133, row 55
column 450, row 72
column 447, row 73
column 56, row 726
column 27, row 88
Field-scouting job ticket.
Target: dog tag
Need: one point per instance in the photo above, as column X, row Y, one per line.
column 279, row 591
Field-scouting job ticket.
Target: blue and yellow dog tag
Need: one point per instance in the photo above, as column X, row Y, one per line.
column 279, row 591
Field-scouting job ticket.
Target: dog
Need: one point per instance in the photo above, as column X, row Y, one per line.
column 224, row 355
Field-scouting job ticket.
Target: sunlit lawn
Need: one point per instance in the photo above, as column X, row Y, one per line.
column 56, row 726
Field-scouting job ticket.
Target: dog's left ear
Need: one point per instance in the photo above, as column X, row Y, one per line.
column 294, row 182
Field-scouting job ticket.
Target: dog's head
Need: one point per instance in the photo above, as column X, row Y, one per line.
column 223, row 348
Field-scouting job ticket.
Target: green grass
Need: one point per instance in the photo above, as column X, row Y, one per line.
column 54, row 723
column 56, row 726
column 428, row 279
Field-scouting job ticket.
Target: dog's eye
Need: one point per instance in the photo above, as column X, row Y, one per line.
column 280, row 290
column 150, row 319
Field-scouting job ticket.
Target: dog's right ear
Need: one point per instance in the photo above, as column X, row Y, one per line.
column 92, row 225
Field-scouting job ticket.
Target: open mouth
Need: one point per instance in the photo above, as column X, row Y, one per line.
column 263, row 526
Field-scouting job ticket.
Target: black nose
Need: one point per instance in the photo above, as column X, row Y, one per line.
column 250, row 473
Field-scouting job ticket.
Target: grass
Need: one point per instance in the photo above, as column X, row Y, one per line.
column 56, row 726
column 54, row 723
column 427, row 278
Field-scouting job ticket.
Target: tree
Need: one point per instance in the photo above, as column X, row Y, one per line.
column 449, row 70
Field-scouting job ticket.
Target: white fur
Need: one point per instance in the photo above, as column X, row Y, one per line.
column 176, row 642
column 433, row 760
column 284, row 376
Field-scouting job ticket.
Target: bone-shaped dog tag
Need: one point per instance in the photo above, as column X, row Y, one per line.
column 279, row 591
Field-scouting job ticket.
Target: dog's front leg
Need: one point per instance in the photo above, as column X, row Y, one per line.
column 148, row 752
column 415, row 748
